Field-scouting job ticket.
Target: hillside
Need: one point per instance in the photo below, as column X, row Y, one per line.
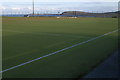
column 79, row 13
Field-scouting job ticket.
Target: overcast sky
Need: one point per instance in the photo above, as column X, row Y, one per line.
column 60, row 0
column 54, row 6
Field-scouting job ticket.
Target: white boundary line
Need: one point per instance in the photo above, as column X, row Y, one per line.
column 58, row 51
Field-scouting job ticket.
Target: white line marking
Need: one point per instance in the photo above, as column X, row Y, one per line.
column 58, row 51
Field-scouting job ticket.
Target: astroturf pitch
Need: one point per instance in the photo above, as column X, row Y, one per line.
column 25, row 39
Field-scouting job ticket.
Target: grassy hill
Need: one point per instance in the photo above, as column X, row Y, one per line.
column 78, row 13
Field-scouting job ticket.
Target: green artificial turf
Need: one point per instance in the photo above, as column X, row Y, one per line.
column 25, row 39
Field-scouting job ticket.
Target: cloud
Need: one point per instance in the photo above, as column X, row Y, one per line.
column 15, row 8
column 61, row 6
column 2, row 8
column 29, row 8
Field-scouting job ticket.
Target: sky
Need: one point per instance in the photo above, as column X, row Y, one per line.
column 60, row 0
column 55, row 6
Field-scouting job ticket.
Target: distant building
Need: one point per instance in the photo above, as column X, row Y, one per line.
column 26, row 16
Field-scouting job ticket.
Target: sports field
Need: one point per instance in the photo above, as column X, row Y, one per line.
column 30, row 45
